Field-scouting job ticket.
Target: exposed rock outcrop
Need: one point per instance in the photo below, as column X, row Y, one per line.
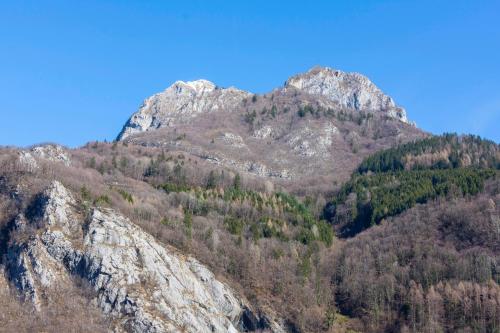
column 181, row 102
column 55, row 153
column 350, row 90
column 27, row 162
column 309, row 143
column 52, row 152
column 146, row 286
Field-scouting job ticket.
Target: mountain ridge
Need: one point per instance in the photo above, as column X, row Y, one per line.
column 183, row 100
column 322, row 130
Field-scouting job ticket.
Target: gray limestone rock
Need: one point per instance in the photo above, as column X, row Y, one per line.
column 148, row 286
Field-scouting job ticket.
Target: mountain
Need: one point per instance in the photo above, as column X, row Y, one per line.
column 318, row 126
column 183, row 101
column 315, row 207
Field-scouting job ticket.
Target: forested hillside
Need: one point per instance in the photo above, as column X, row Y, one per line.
column 392, row 181
column 367, row 199
column 396, row 249
column 435, row 268
column 436, row 152
column 423, row 254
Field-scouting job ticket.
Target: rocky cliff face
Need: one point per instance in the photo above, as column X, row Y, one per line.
column 350, row 90
column 180, row 102
column 146, row 286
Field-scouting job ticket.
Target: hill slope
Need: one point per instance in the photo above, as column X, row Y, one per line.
column 394, row 180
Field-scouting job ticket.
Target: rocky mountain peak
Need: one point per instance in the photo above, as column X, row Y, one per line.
column 179, row 103
column 183, row 101
column 350, row 90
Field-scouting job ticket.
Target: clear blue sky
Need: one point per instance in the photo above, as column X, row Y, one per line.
column 74, row 71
